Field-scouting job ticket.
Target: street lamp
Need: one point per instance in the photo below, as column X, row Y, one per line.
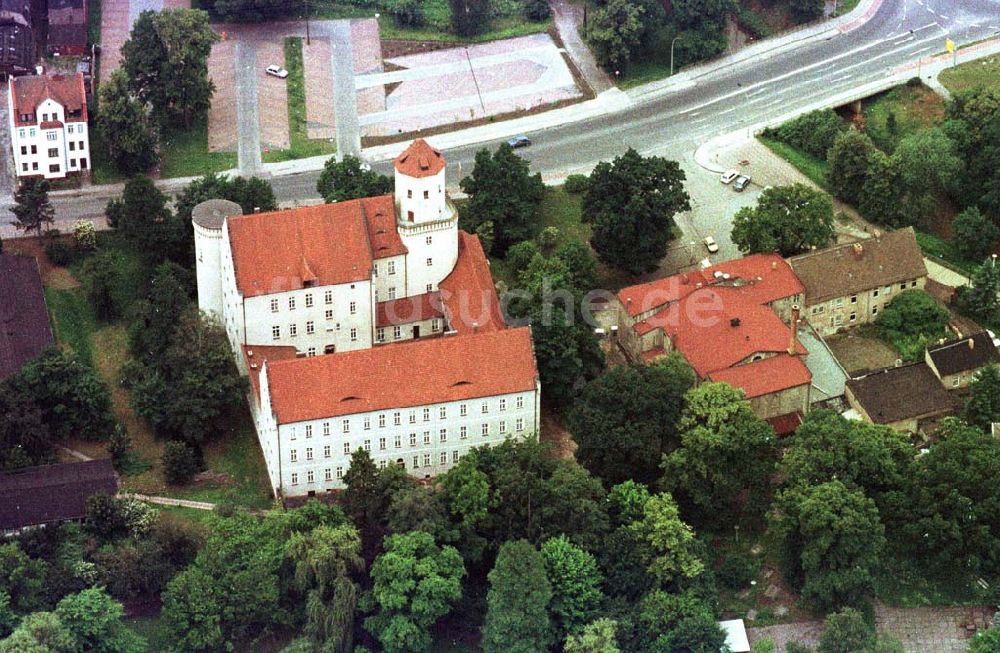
column 672, row 54
column 307, row 22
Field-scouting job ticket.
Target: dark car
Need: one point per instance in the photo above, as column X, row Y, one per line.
column 519, row 141
column 741, row 183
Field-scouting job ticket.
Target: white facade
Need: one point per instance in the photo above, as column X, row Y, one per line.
column 312, row 457
column 428, row 226
column 52, row 144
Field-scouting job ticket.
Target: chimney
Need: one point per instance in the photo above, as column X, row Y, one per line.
column 972, row 343
column 774, row 265
column 794, row 331
column 475, row 327
column 859, row 249
column 734, row 322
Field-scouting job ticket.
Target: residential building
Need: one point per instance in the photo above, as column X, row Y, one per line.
column 50, row 494
column 900, row 397
column 17, row 38
column 48, row 125
column 734, row 322
column 67, row 33
column 354, row 313
column 24, row 319
column 848, row 285
column 956, row 362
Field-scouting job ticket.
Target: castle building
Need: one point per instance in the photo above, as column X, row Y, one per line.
column 371, row 323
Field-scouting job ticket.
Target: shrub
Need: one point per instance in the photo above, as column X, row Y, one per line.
column 519, row 256
column 118, row 446
column 813, row 133
column 61, row 254
column 407, row 13
column 737, row 571
column 576, row 184
column 537, row 10
column 548, row 238
column 180, row 463
column 84, row 235
column 104, row 518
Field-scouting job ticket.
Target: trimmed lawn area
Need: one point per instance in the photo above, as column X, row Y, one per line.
column 813, row 168
column 73, row 321
column 944, row 252
column 301, row 145
column 913, row 108
column 184, row 153
column 845, row 7
column 983, row 72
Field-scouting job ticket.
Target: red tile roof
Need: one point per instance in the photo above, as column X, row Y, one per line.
column 762, row 278
column 255, row 357
column 468, row 294
column 766, row 376
column 32, row 90
column 325, row 245
column 413, row 373
column 24, row 319
column 420, row 160
column 408, row 309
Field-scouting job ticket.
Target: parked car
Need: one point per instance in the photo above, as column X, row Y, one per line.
column 711, row 245
column 729, row 175
column 276, row 71
column 741, row 183
column 519, row 141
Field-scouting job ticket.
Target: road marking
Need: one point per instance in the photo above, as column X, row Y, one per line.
column 931, row 11
column 945, row 17
column 757, row 92
column 905, row 38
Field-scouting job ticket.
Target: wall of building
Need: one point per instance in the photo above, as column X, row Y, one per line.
column 208, row 269
column 389, row 278
column 46, row 152
column 786, row 401
column 829, row 317
column 400, row 332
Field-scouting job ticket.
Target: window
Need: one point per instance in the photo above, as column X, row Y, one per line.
column 353, row 307
column 854, row 299
column 328, row 297
column 72, row 146
column 463, row 410
column 294, row 434
column 275, row 332
column 503, row 405
column 454, row 456
column 429, row 240
column 72, row 163
column 413, row 439
column 69, row 129
column 902, row 286
column 416, row 462
column 34, row 148
column 295, row 478
column 875, row 293
column 381, row 421
column 427, row 460
column 443, row 435
column 340, row 472
column 354, row 335
column 20, row 133
column 293, row 330
column 291, row 303
column 888, row 290
column 398, row 441
column 380, row 334
column 413, row 417
column 409, row 193
column 54, row 168
column 327, row 474
column 443, row 412
column 519, row 425
column 368, row 446
column 409, row 214
column 24, row 167
column 430, row 262
column 427, row 414
column 392, row 292
column 31, row 132
column 293, row 455
column 51, row 136
column 328, row 314
column 520, row 402
column 816, row 310
column 955, row 382
column 435, row 325
column 427, row 437
column 486, row 429
column 310, row 477
column 310, row 327
column 839, row 303
column 368, row 423
column 24, row 150
column 309, row 430
column 381, row 444
column 274, row 305
column 427, row 194
column 326, row 429
column 443, row 458
column 34, row 165
column 309, row 453
column 397, row 332
column 347, row 425
column 854, row 317
column 45, row 117
column 326, row 451
column 311, row 352
column 429, row 287
column 376, row 295
column 397, row 418
column 309, row 300
column 381, row 464
column 463, row 432
column 874, row 310
column 485, row 408
column 80, row 143
column 503, row 426
column 347, row 448
column 913, row 284
column 391, row 265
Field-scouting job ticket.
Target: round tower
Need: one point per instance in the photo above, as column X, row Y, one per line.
column 426, row 220
column 208, row 218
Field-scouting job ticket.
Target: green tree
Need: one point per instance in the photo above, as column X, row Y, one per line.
column 368, row 494
column 469, row 17
column 846, row 631
column 696, row 13
column 805, row 10
column 32, row 209
column 982, row 406
column 973, row 234
column 832, row 539
column 193, row 611
column 141, row 215
column 576, row 585
column 251, row 193
column 879, row 199
column 407, row 13
column 251, row 11
column 119, row 446
column 100, row 276
column 503, row 191
column 912, row 320
column 626, row 419
column 813, row 132
column 415, row 582
column 578, row 258
column 615, row 33
column 850, row 159
column 95, row 621
column 40, row 632
column 325, row 559
column 166, row 61
column 519, row 256
column 660, row 614
column 631, row 203
column 517, row 617
column 726, row 453
column 73, row 400
column 787, row 219
column 349, row 179
column 670, row 539
column 25, row 439
column 155, row 319
column 22, row 579
column 698, row 634
column 596, row 637
column 928, row 168
column 180, row 462
column 127, row 129
column 980, row 300
column 985, row 641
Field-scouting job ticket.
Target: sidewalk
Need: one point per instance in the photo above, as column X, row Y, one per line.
column 568, row 19
column 168, row 501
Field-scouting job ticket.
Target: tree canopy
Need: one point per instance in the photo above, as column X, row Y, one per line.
column 982, row 406
column 32, row 209
column 349, row 179
column 787, row 219
column 517, row 616
column 127, row 129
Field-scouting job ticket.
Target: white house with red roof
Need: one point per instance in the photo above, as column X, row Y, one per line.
column 371, row 323
column 735, row 322
column 47, row 116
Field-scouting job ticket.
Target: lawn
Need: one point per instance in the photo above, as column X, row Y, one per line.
column 813, row 168
column 103, row 171
column 301, row 145
column 945, row 253
column 184, row 153
column 73, row 321
column 983, row 72
column 911, row 107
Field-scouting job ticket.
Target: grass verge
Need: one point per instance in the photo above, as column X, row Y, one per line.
column 301, row 146
column 911, row 108
column 845, row 7
column 945, row 253
column 982, row 72
column 73, row 321
column 184, row 153
column 813, row 168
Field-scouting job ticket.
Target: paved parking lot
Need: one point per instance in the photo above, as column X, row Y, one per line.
column 222, row 128
column 117, row 17
column 272, row 94
column 321, row 122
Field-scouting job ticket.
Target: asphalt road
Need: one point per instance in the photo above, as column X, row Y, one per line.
column 718, row 102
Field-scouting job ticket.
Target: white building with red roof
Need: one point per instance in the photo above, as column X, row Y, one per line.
column 371, row 323
column 47, row 116
column 734, row 322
